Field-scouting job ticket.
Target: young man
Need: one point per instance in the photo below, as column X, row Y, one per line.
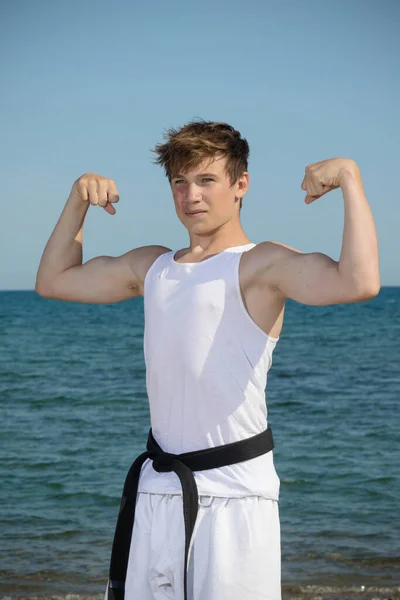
column 203, row 499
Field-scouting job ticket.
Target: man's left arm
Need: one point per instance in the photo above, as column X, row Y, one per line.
column 315, row 278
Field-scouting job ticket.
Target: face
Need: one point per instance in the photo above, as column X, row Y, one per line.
column 207, row 191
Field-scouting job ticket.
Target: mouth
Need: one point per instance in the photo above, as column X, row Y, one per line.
column 196, row 213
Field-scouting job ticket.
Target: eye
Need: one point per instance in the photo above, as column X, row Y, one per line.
column 207, row 179
column 178, row 180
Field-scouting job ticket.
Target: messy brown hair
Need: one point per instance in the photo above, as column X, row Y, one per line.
column 187, row 147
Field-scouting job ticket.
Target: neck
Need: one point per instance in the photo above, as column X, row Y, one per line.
column 217, row 241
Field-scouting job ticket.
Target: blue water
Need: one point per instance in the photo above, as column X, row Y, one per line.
column 75, row 415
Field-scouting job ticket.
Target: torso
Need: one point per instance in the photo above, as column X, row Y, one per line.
column 264, row 304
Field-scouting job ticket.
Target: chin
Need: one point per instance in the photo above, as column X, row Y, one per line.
column 190, row 222
column 197, row 227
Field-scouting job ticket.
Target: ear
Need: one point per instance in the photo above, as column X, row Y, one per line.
column 243, row 184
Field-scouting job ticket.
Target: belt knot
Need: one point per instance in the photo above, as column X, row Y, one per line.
column 163, row 463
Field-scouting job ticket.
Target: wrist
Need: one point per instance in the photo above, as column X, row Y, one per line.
column 75, row 200
column 350, row 175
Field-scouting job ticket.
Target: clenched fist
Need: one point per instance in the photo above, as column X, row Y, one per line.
column 98, row 190
column 326, row 175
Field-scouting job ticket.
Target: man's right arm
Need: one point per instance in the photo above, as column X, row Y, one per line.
column 101, row 280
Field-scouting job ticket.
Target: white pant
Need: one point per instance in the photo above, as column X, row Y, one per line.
column 235, row 552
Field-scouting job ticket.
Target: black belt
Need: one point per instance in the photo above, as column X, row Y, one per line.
column 183, row 465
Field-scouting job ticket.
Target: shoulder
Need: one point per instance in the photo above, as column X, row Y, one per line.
column 259, row 263
column 141, row 259
column 267, row 254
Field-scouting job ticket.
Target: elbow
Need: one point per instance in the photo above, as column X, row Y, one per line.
column 42, row 290
column 374, row 286
column 39, row 287
column 375, row 291
column 368, row 292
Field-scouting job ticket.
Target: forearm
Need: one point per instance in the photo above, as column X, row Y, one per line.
column 64, row 248
column 359, row 259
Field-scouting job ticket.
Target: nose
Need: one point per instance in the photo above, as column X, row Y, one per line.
column 193, row 193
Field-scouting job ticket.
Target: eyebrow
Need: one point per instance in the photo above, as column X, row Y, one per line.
column 199, row 175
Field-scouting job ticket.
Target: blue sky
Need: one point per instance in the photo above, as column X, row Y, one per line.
column 91, row 86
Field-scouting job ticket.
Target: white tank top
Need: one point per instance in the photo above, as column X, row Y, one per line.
column 206, row 372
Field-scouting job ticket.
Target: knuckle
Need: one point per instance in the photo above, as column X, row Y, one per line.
column 85, row 176
column 98, row 189
column 112, row 191
column 80, row 182
column 102, row 192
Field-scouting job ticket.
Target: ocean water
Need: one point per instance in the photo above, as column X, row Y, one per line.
column 74, row 415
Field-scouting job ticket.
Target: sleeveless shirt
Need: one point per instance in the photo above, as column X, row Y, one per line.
column 206, row 372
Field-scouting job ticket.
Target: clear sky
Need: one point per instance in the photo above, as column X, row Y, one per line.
column 91, row 86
